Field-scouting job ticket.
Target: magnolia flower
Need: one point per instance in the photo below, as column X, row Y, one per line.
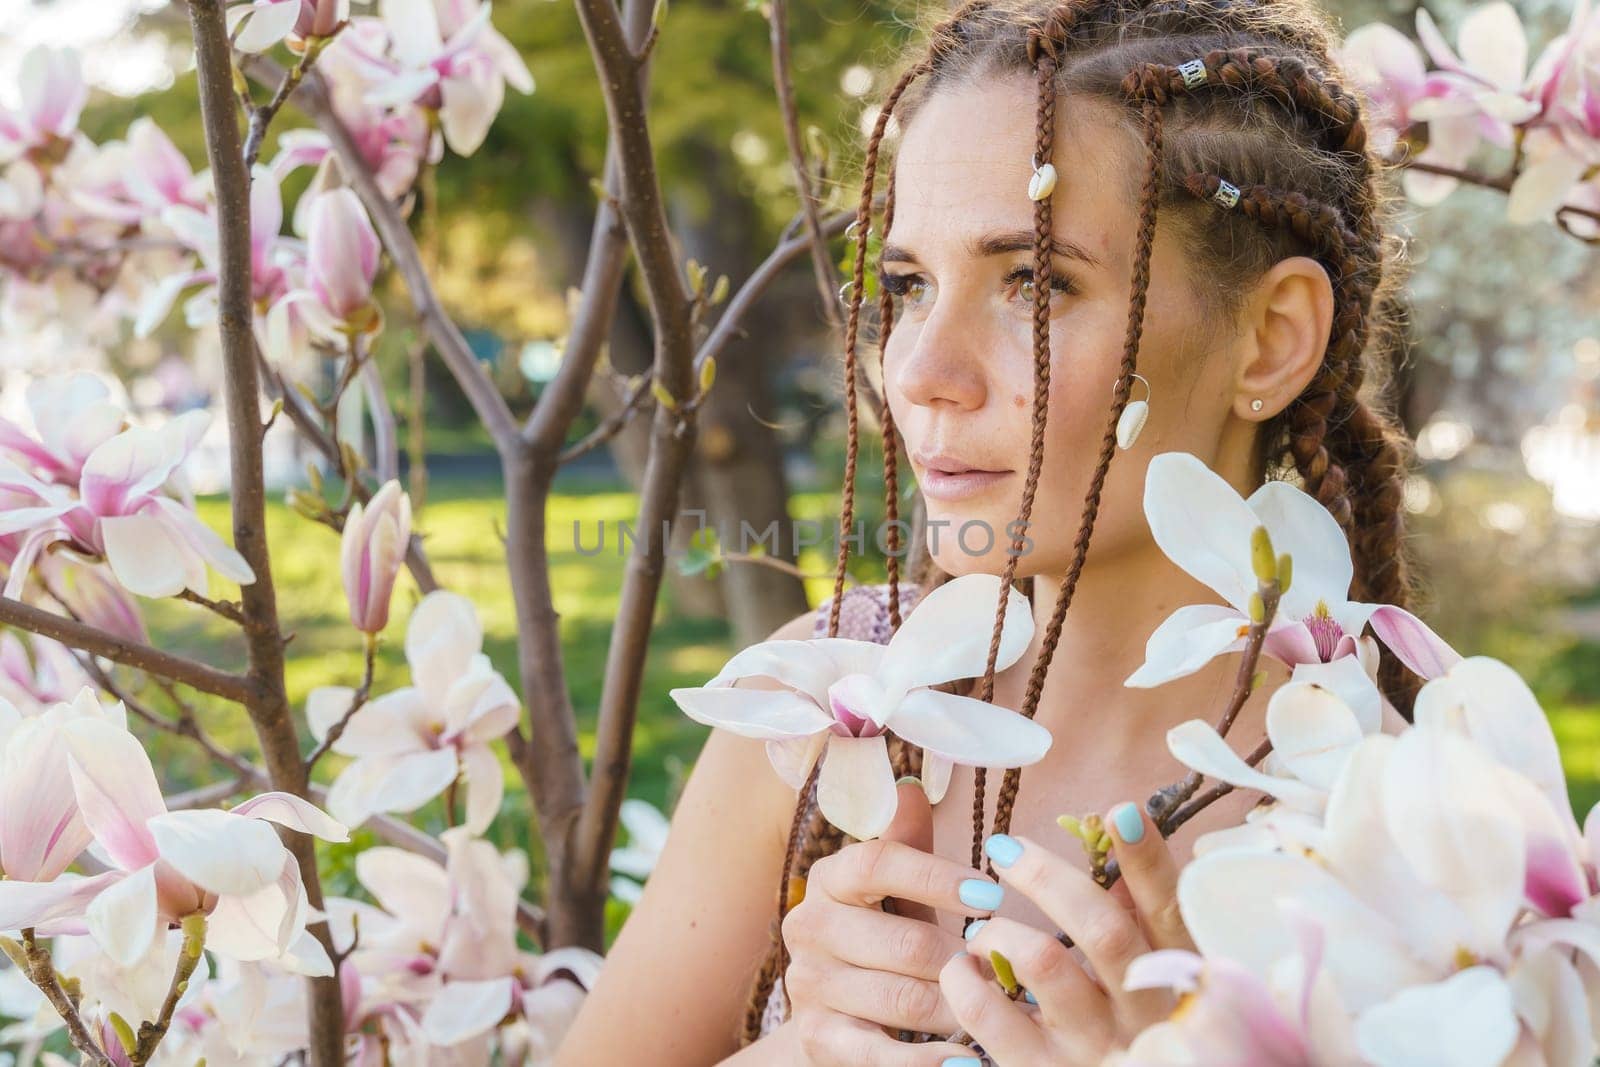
column 53, row 95
column 229, row 865
column 155, row 545
column 839, row 699
column 449, row 59
column 73, row 414
column 341, row 262
column 647, row 836
column 372, row 550
column 409, row 745
column 1559, row 150
column 1204, row 527
column 53, row 675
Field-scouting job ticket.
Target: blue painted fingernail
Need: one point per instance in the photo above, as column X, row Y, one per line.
column 973, row 928
column 976, row 893
column 961, row 1061
column 1130, row 825
column 1028, row 996
column 1003, row 849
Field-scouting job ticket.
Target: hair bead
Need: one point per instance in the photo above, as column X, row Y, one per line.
column 1227, row 194
column 1194, row 73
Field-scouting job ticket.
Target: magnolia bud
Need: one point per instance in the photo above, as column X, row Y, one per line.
column 372, row 550
column 1262, row 559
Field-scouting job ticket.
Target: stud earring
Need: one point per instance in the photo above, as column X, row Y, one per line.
column 1133, row 417
column 1255, row 405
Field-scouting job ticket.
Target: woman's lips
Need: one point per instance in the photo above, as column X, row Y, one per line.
column 959, row 485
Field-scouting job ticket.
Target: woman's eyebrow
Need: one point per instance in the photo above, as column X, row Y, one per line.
column 998, row 244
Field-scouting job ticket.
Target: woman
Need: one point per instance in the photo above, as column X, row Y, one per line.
column 1046, row 155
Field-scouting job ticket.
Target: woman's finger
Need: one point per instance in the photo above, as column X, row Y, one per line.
column 1068, row 999
column 1102, row 929
column 866, row 873
column 872, row 939
column 886, row 999
column 838, row 1039
column 1004, row 1028
column 1151, row 874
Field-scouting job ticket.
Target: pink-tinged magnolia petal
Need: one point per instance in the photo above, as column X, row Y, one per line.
column 1490, row 703
column 1232, row 904
column 1200, row 522
column 1381, row 58
column 205, row 541
column 507, row 61
column 406, row 885
column 856, row 787
column 442, row 637
column 266, row 216
column 794, row 757
column 764, row 714
column 52, row 89
column 1465, row 1020
column 413, row 30
column 481, row 707
column 296, row 813
column 1543, row 187
column 1452, row 823
column 218, row 851
column 41, row 832
column 486, row 785
column 1312, row 731
column 948, row 619
column 123, row 919
column 1307, row 531
column 1555, row 882
column 160, row 173
column 808, row 667
column 146, row 557
column 463, row 1010
column 1413, row 641
column 1187, row 640
column 1349, row 680
column 130, row 465
column 402, row 89
column 469, row 107
column 342, row 253
column 1198, row 746
column 1170, row 968
column 968, row 731
column 390, row 784
column 37, row 904
column 269, row 23
column 372, row 550
column 116, row 789
column 1493, row 44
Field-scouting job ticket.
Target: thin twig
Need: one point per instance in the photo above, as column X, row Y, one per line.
column 261, row 117
column 613, row 423
column 36, row 963
column 226, row 609
column 357, row 700
column 151, row 1033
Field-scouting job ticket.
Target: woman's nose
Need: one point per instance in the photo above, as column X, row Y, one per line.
column 943, row 363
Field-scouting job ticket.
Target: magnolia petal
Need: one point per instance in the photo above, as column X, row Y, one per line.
column 856, row 787
column 326, row 705
column 1170, row 968
column 948, row 619
column 25, row 904
column 218, row 851
column 1464, row 1021
column 1348, row 680
column 463, row 1010
column 442, row 637
column 259, row 925
column 793, row 758
column 143, row 556
column 406, row 885
column 1549, row 997
column 647, row 827
column 765, row 714
column 486, row 785
column 296, row 813
column 1311, row 535
column 123, row 920
column 116, row 789
column 1190, row 638
column 1200, row 522
column 968, row 731
column 1491, row 703
column 1312, row 731
column 1493, row 44
column 1413, row 641
column 390, row 725
column 268, row 24
column 808, row 667
column 1454, row 826
column 205, row 541
column 468, row 109
column 1198, row 746
column 1542, row 187
column 391, row 784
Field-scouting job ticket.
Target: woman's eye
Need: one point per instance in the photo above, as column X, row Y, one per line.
column 911, row 288
column 1019, row 285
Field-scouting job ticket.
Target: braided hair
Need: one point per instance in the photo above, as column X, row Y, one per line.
column 1253, row 152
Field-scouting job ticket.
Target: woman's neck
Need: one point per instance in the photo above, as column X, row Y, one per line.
column 1116, row 605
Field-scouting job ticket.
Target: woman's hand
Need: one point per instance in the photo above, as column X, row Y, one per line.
column 855, row 970
column 1074, row 1015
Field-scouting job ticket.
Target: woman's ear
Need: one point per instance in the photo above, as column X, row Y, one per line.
column 1285, row 328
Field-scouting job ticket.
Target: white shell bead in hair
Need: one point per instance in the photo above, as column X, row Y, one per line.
column 1043, row 182
column 1132, row 421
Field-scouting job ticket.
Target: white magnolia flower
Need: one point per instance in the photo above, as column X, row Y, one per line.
column 839, row 699
column 647, row 836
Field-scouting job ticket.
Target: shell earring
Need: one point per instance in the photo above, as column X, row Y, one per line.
column 1133, row 417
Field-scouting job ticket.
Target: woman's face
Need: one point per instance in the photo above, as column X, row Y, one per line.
column 958, row 367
